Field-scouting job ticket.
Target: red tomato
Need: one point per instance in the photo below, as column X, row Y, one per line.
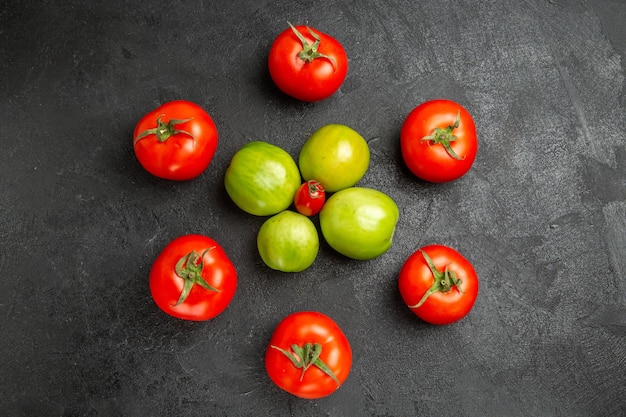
column 309, row 198
column 307, row 64
column 438, row 141
column 438, row 284
column 176, row 141
column 192, row 278
column 308, row 355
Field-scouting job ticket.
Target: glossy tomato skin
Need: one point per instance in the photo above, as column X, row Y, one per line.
column 335, row 155
column 185, row 154
column 307, row 81
column 310, row 198
column 359, row 222
column 262, row 179
column 308, row 327
column 432, row 162
column 416, row 279
column 288, row 242
column 201, row 304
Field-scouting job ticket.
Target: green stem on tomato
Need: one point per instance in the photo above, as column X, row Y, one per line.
column 442, row 281
column 316, row 189
column 164, row 131
column 310, row 52
column 305, row 356
column 189, row 269
column 444, row 136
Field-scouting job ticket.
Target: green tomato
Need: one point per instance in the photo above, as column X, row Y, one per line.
column 359, row 222
column 288, row 242
column 262, row 179
column 336, row 156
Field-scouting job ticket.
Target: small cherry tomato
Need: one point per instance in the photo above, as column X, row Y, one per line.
column 176, row 141
column 438, row 141
column 307, row 64
column 193, row 278
column 438, row 284
column 308, row 355
column 309, row 198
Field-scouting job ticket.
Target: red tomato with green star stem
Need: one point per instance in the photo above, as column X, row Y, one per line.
column 193, row 278
column 438, row 284
column 438, row 141
column 175, row 141
column 308, row 355
column 307, row 64
column 310, row 198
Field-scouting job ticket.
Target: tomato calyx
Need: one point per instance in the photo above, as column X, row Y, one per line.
column 189, row 269
column 316, row 189
column 443, row 281
column 306, row 356
column 163, row 131
column 444, row 136
column 310, row 51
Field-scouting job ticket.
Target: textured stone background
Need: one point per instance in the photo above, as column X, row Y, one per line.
column 542, row 214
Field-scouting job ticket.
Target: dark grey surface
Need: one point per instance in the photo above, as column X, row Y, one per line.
column 542, row 214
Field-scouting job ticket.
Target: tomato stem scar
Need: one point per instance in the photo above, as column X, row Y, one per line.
column 316, row 189
column 189, row 269
column 310, row 52
column 443, row 281
column 444, row 137
column 306, row 356
column 163, row 131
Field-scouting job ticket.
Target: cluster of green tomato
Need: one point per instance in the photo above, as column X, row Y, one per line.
column 264, row 180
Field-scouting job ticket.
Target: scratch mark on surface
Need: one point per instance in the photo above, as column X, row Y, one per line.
column 575, row 99
column 151, row 240
column 612, row 319
column 615, row 217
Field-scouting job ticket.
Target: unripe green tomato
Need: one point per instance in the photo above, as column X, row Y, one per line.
column 288, row 242
column 359, row 222
column 336, row 156
column 262, row 179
